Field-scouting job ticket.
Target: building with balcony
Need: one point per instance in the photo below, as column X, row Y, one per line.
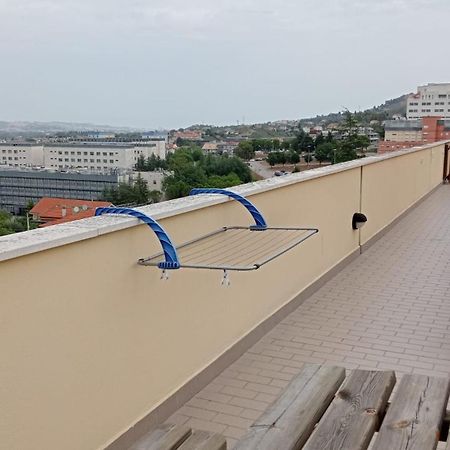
column 432, row 99
column 103, row 349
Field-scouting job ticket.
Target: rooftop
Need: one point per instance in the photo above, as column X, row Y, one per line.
column 53, row 210
column 388, row 309
column 128, row 350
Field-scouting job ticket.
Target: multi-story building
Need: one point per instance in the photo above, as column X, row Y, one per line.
column 19, row 187
column 432, row 99
column 95, row 157
column 371, row 134
column 401, row 134
column 21, row 155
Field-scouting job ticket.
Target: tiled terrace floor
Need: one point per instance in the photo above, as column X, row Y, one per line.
column 389, row 309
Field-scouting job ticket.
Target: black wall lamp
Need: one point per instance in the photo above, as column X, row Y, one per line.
column 358, row 221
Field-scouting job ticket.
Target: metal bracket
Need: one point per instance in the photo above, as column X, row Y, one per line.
column 226, row 279
column 260, row 222
column 170, row 252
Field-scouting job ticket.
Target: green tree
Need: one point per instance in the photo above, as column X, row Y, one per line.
column 223, row 181
column 279, row 158
column 351, row 141
column 140, row 164
column 175, row 188
column 141, row 191
column 150, row 164
column 293, row 157
column 319, row 140
column 155, row 196
column 245, row 150
column 11, row 224
column 272, row 158
column 345, row 152
column 350, row 124
column 132, row 193
column 324, row 152
column 190, row 170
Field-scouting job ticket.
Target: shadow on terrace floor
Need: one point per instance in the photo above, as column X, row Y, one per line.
column 389, row 309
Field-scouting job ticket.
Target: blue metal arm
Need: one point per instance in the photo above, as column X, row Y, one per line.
column 170, row 253
column 253, row 210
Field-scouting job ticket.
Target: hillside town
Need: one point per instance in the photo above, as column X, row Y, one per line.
column 139, row 167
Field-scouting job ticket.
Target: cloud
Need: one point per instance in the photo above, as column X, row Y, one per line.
column 170, row 62
column 197, row 19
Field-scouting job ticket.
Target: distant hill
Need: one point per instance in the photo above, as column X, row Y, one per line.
column 382, row 112
column 41, row 128
column 290, row 128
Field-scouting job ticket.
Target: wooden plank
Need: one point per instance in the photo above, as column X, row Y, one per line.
column 291, row 419
column 415, row 415
column 203, row 440
column 164, row 437
column 353, row 416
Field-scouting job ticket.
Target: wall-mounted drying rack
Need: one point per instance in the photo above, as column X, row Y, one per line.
column 228, row 248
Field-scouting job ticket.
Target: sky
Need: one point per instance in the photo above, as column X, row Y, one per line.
column 172, row 63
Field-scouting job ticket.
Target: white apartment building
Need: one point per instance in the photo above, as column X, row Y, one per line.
column 432, row 99
column 92, row 157
column 21, row 155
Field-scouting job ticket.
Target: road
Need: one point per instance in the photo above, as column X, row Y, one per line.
column 261, row 168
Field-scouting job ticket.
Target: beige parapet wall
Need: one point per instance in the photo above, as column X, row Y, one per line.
column 391, row 187
column 90, row 342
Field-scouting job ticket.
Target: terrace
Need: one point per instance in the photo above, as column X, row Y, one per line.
column 97, row 349
column 388, row 309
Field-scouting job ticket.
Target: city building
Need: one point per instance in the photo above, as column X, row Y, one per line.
column 154, row 178
column 99, row 135
column 401, row 134
column 51, row 211
column 210, row 147
column 371, row 134
column 19, row 187
column 155, row 134
column 96, row 157
column 432, row 99
column 188, row 135
column 227, row 147
column 21, row 155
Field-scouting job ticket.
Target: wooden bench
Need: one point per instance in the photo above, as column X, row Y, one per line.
column 321, row 410
column 179, row 437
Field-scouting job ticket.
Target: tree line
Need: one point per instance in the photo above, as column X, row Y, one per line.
column 135, row 192
column 191, row 168
column 323, row 148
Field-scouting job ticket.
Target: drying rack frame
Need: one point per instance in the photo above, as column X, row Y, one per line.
column 171, row 253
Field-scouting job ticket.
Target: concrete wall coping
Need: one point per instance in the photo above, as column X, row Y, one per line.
column 21, row 244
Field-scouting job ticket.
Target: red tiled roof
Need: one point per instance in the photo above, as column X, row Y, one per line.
column 51, row 210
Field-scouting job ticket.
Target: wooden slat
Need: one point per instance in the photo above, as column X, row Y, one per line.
column 290, row 420
column 351, row 419
column 203, row 440
column 415, row 415
column 165, row 437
